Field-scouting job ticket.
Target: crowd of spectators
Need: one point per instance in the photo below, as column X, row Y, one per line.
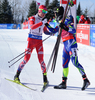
column 83, row 20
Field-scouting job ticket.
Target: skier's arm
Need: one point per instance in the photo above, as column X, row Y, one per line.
column 47, row 32
column 52, row 30
column 33, row 25
column 72, row 30
column 63, row 26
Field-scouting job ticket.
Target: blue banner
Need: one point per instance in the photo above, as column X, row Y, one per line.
column 10, row 26
column 92, row 35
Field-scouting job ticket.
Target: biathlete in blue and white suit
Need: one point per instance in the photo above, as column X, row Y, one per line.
column 68, row 36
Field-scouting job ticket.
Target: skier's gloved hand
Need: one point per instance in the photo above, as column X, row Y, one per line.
column 63, row 26
column 44, row 21
column 46, row 24
column 59, row 18
column 52, row 34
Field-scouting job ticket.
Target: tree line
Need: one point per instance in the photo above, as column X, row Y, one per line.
column 16, row 11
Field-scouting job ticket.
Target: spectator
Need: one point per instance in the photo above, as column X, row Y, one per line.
column 77, row 19
column 87, row 20
column 82, row 19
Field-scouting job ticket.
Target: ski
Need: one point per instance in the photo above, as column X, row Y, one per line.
column 18, row 82
column 44, row 86
column 56, row 47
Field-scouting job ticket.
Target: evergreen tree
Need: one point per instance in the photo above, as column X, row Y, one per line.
column 50, row 8
column 47, row 3
column 85, row 12
column 10, row 15
column 1, row 15
column 53, row 4
column 32, row 9
column 7, row 16
column 22, row 20
column 0, row 7
column 79, row 11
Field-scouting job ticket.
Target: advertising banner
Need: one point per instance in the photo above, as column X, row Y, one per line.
column 83, row 34
column 10, row 26
column 18, row 26
column 92, row 35
column 65, row 1
column 72, row 10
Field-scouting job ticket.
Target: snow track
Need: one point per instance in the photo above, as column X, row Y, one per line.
column 14, row 42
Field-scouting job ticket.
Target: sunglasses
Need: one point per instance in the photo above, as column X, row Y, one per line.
column 44, row 11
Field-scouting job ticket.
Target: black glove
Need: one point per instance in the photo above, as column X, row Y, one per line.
column 59, row 18
column 46, row 24
column 63, row 26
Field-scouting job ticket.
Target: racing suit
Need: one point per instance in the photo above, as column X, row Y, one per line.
column 35, row 41
column 69, row 50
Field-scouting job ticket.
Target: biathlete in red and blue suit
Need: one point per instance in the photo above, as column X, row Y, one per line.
column 37, row 26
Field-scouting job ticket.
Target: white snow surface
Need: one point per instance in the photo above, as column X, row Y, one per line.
column 14, row 42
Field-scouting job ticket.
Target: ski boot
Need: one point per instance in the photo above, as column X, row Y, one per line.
column 16, row 77
column 45, row 78
column 62, row 85
column 86, row 82
column 45, row 82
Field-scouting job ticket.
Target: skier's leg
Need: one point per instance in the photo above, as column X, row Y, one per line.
column 74, row 59
column 39, row 50
column 66, row 59
column 25, row 60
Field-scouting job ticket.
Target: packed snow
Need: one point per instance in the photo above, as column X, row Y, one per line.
column 14, row 42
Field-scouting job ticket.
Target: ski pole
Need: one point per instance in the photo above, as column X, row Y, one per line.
column 25, row 51
column 50, row 59
column 55, row 50
column 52, row 56
column 55, row 56
column 17, row 56
column 24, row 54
column 16, row 61
column 58, row 40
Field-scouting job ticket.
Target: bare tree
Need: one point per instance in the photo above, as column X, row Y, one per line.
column 19, row 9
